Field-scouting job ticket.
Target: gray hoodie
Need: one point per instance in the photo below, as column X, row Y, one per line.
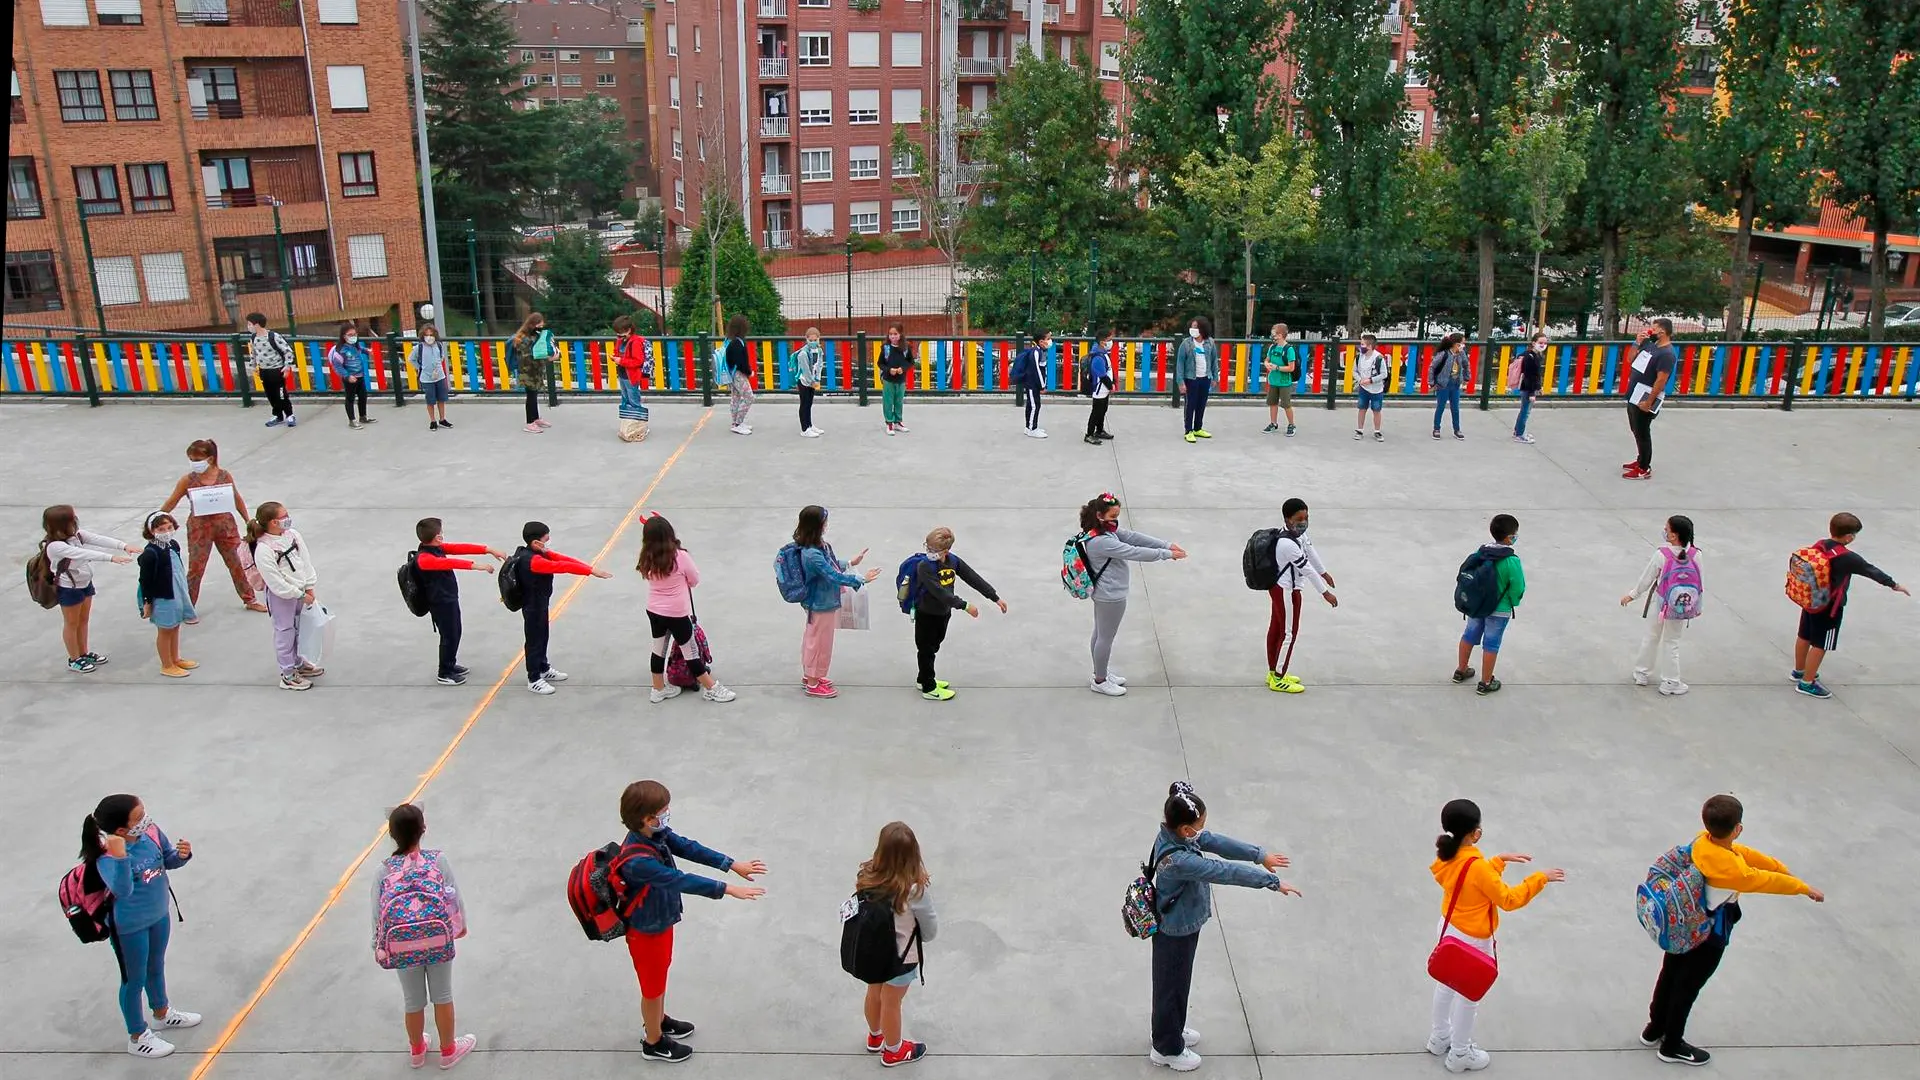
column 1109, row 553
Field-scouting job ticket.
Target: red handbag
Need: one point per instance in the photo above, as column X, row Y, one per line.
column 1459, row 965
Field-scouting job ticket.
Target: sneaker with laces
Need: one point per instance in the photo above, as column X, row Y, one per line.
column 1270, row 429
column 533, row 429
column 310, row 671
column 1379, row 436
column 1190, row 1036
column 1472, row 1059
column 446, row 423
column 1641, row 678
column 1112, row 677
column 818, row 430
column 1358, row 435
column 1438, row 1045
column 1281, row 684
column 1203, row 433
column 1491, row 686
column 1436, row 434
column 148, row 1045
column 666, row 1050
column 718, row 694
column 741, row 429
column 81, row 665
column 890, row 430
column 938, row 693
column 1650, row 1035
column 556, row 676
column 1105, row 436
column 1673, row 687
column 1813, row 689
column 876, row 1042
column 820, row 690
column 1191, row 437
column 368, row 420
column 665, row 693
column 1290, row 431
column 451, row 1055
column 809, row 434
column 275, row 422
column 354, row 425
column 675, row 1029
column 294, row 682
column 462, row 670
column 906, row 1053
column 1458, row 434
column 540, row 686
column 1184, row 1061
column 902, row 429
column 544, row 423
column 100, row 658
column 417, row 1055
column 1523, row 439
column 1796, row 675
column 450, row 680
column 1463, row 674
column 1683, row 1054
column 1109, row 688
column 176, row 1018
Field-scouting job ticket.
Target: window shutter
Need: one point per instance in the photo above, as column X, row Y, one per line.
column 115, row 277
column 340, row 11
column 863, row 49
column 166, row 277
column 863, row 101
column 63, row 12
column 117, row 7
column 367, row 255
column 906, row 49
column 906, row 106
column 817, row 218
column 346, row 87
column 816, row 101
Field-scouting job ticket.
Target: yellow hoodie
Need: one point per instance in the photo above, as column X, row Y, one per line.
column 1732, row 869
column 1483, row 892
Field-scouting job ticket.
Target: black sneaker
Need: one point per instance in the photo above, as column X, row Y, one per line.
column 1491, row 686
column 462, row 670
column 675, row 1029
column 1683, row 1054
column 1463, row 674
column 454, row 679
column 666, row 1050
column 1103, row 436
column 433, row 425
column 1650, row 1037
column 1270, row 429
column 446, row 423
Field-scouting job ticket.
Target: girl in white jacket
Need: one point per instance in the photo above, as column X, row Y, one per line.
column 1660, row 648
column 286, row 565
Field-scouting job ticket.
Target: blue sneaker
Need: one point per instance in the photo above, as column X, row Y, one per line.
column 1813, row 689
column 293, row 421
column 1796, row 675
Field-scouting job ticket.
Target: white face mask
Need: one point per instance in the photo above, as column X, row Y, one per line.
column 351, row 338
column 1193, row 332
column 430, row 339
column 198, row 467
column 163, row 536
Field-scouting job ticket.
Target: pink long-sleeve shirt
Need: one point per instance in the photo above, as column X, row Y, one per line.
column 673, row 594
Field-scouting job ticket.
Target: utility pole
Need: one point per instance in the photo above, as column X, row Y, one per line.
column 426, row 166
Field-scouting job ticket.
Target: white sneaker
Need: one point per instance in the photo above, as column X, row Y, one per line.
column 818, row 430
column 1190, row 1036
column 901, row 428
column 555, row 676
column 1113, row 677
column 741, row 429
column 1438, row 1045
column 1473, row 1059
column 1184, row 1061
column 176, row 1018
column 718, row 694
column 1673, row 687
column 149, row 1045
column 658, row 696
column 1036, row 433
column 540, row 686
column 1111, row 689
column 1640, row 678
column 810, row 434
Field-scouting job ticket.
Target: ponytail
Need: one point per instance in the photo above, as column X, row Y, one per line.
column 111, row 815
column 406, row 824
column 1458, row 820
column 263, row 516
column 1682, row 528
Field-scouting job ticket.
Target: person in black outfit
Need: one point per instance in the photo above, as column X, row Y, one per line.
column 938, row 602
column 1533, row 370
column 433, row 564
column 1029, row 377
column 1099, row 387
column 1646, row 389
column 536, row 564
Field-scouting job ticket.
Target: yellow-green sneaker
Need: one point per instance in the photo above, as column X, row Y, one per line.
column 1203, row 433
column 1190, row 437
column 1275, row 682
column 1284, row 684
column 939, row 693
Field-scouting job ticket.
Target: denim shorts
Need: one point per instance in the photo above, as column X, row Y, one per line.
column 435, row 393
column 1487, row 632
column 1371, row 400
column 74, row 597
column 906, row 977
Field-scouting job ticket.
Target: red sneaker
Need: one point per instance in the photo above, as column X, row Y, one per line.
column 876, row 1042
column 1637, row 473
column 904, row 1054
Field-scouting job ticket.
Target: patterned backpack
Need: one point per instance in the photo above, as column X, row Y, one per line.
column 1672, row 902
column 1140, row 910
column 1077, row 574
column 1681, row 587
column 420, row 913
column 1810, row 575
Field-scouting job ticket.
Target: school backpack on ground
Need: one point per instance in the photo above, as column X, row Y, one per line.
column 419, row 914
column 1476, row 590
column 1077, row 574
column 513, row 591
column 1810, row 575
column 1681, row 587
column 866, row 941
column 907, row 582
column 1140, row 910
column 790, row 574
column 1672, row 902
column 410, row 587
column 598, row 894
column 1258, row 563
column 88, row 912
column 43, row 578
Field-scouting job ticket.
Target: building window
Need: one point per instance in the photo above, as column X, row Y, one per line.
column 863, row 217
column 569, row 80
column 603, row 56
column 906, row 49
column 679, row 194
column 817, row 219
column 57, row 13
column 699, row 95
column 696, row 39
column 23, row 190
column 118, row 12
column 166, row 276
column 529, row 80
column 906, row 106
column 569, row 56
column 906, row 163
column 150, row 187
column 546, row 56
column 546, row 80
column 347, row 87
column 863, row 49
column 863, row 163
column 1116, row 9
column 80, row 101
column 526, row 56
column 228, row 181
column 340, row 12
column 367, row 255
column 816, row 108
column 863, row 106
column 1415, row 121
column 113, row 278
column 906, row 216
column 677, row 155
column 1109, row 59
column 815, row 3
column 673, row 91
column 98, row 188
column 356, row 175
column 816, row 50
column 253, row 263
column 1416, row 76
column 816, row 165
column 673, row 39
column 214, row 92
column 32, row 282
column 605, row 78
column 133, row 95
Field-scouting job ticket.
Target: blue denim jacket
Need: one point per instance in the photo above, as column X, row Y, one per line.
column 825, row 574
column 1185, row 884
column 661, row 909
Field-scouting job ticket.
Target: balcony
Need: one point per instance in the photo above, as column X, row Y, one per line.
column 969, row 120
column 237, row 12
column 772, row 67
column 969, row 173
column 283, row 176
column 773, row 9
column 776, row 183
column 1392, row 24
column 775, row 127
column 969, row 67
column 234, row 90
column 983, row 11
column 777, row 239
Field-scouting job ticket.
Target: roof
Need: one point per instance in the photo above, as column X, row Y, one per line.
column 547, row 23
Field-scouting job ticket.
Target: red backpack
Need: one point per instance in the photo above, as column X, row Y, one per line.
column 598, row 893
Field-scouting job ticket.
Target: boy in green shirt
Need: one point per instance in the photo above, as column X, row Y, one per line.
column 1282, row 366
column 1487, row 632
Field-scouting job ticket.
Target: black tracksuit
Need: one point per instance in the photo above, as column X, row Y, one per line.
column 938, row 601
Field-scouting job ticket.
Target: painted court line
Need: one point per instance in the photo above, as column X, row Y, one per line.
column 279, row 968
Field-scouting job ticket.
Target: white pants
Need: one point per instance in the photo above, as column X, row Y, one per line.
column 1662, row 644
column 1452, row 1014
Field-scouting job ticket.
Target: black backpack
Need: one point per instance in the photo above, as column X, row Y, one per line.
column 866, row 941
column 1257, row 563
column 411, row 590
column 1086, row 373
column 1476, row 591
column 512, row 588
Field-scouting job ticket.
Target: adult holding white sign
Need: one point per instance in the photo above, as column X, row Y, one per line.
column 1646, row 390
column 213, row 500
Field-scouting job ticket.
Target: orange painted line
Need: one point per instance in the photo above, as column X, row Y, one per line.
column 228, row 1033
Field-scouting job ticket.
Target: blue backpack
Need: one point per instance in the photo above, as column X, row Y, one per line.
column 790, row 573
column 906, row 584
column 1672, row 902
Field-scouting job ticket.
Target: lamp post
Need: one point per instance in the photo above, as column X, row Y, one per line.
column 426, row 161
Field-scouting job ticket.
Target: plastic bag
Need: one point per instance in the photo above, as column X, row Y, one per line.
column 853, row 609
column 315, row 638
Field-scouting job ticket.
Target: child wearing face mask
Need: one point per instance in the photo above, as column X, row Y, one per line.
column 163, row 593
column 429, row 362
column 351, row 361
column 1196, row 365
column 536, row 563
column 287, row 566
column 649, row 872
column 1183, row 879
column 1108, row 549
column 1489, row 631
column 1294, row 554
column 213, row 500
column 410, row 881
column 129, row 855
column 809, row 372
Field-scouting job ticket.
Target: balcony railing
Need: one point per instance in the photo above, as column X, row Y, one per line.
column 775, row 127
column 777, row 239
column 1392, row 24
column 773, row 9
column 237, row 12
column 968, row 172
column 776, row 183
column 773, row 67
column 260, row 88
column 969, row 66
column 983, row 10
column 969, row 120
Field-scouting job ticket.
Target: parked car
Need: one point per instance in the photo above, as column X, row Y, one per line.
column 1905, row 313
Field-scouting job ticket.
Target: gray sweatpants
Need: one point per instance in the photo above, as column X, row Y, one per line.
column 418, row 984
column 1106, row 626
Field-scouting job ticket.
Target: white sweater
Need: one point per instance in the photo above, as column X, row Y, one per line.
column 1298, row 561
column 81, row 552
column 284, row 563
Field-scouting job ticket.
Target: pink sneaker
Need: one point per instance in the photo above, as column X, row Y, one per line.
column 417, row 1055
column 544, row 423
column 451, row 1055
column 534, row 428
column 822, row 689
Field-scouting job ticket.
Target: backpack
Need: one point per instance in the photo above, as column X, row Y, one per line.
column 411, row 590
column 543, row 345
column 88, row 912
column 1258, row 564
column 866, row 941
column 1077, row 574
column 513, row 590
column 790, row 574
column 1809, row 576
column 1085, row 372
column 722, row 371
column 598, row 894
column 907, row 582
column 1140, row 910
column 43, row 578
column 1680, row 586
column 1672, row 902
column 1476, row 591
column 419, row 913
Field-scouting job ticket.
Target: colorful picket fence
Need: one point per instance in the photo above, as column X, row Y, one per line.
column 214, row 366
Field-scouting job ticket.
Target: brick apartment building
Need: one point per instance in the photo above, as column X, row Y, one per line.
column 175, row 127
column 574, row 50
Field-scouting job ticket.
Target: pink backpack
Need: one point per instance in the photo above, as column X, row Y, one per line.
column 420, row 914
column 90, row 912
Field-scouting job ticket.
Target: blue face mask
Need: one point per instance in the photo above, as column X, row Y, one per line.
column 665, row 819
column 286, row 523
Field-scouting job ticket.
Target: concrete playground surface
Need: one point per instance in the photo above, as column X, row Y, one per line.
column 1034, row 800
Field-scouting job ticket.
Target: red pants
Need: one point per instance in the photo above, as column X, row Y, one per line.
column 1277, row 629
column 203, row 535
column 652, row 956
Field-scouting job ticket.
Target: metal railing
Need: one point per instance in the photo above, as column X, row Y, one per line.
column 968, row 172
column 983, row 10
column 237, row 12
column 773, row 9
column 972, row 65
column 775, row 127
column 777, row 239
column 776, row 183
column 773, row 67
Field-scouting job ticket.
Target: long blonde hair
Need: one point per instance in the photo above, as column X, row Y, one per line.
column 895, row 872
column 531, row 326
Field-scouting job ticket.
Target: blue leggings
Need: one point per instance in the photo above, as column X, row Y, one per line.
column 143, row 954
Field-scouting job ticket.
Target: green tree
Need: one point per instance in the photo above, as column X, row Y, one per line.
column 1867, row 104
column 593, row 156
column 489, row 156
column 1540, row 161
column 580, row 300
column 1350, row 103
column 1268, row 201
column 1478, row 56
column 734, row 276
